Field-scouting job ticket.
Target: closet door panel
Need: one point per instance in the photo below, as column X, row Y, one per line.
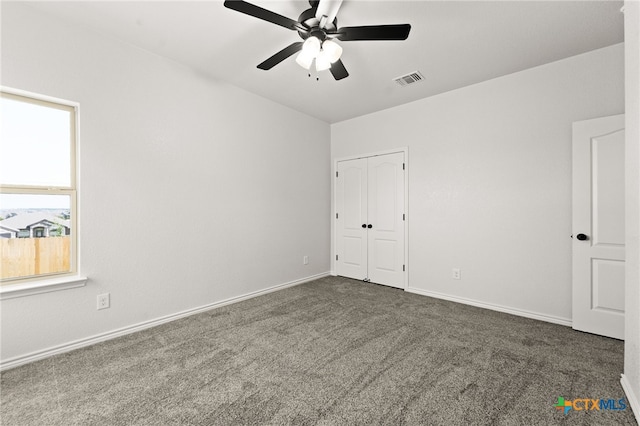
column 385, row 212
column 351, row 211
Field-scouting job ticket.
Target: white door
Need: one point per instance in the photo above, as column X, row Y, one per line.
column 370, row 219
column 351, row 219
column 385, row 212
column 598, row 226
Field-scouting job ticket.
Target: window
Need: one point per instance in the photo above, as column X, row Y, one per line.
column 38, row 222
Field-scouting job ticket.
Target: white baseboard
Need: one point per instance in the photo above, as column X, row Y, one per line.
column 519, row 312
column 76, row 344
column 631, row 396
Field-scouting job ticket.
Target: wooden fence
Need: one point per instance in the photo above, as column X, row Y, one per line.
column 23, row 257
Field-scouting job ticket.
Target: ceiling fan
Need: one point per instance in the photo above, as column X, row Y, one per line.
column 318, row 27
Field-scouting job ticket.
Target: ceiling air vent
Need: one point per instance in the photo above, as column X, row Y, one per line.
column 413, row 77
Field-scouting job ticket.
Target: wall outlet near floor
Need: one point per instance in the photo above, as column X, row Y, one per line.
column 455, row 273
column 305, row 260
column 104, row 301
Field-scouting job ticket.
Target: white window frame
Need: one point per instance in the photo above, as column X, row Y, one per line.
column 24, row 286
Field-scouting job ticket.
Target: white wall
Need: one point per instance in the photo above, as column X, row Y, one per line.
column 490, row 179
column 631, row 378
column 192, row 191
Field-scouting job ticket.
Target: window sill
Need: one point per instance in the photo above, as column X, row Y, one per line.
column 11, row 291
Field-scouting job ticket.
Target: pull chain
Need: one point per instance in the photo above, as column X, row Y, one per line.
column 317, row 76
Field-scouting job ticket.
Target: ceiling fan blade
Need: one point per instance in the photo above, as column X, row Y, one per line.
column 281, row 56
column 264, row 14
column 338, row 70
column 374, row 32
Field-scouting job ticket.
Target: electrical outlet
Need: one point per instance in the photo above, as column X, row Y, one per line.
column 305, row 260
column 455, row 273
column 103, row 301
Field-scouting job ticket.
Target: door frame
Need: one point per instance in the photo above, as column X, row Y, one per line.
column 334, row 231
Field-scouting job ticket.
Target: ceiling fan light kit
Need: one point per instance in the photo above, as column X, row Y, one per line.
column 325, row 53
column 318, row 27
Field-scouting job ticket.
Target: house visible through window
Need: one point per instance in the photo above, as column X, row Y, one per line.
column 37, row 187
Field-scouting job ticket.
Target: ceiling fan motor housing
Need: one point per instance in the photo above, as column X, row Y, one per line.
column 309, row 20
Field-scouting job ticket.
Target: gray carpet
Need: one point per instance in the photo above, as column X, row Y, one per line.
column 333, row 351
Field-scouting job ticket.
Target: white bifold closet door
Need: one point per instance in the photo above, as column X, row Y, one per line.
column 370, row 219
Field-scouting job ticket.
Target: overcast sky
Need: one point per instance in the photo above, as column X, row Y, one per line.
column 35, row 150
column 34, row 145
column 28, row 201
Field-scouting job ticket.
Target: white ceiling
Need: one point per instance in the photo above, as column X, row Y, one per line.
column 453, row 43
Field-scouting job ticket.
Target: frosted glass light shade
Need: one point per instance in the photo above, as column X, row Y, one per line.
column 332, row 50
column 311, row 46
column 322, row 61
column 304, row 59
